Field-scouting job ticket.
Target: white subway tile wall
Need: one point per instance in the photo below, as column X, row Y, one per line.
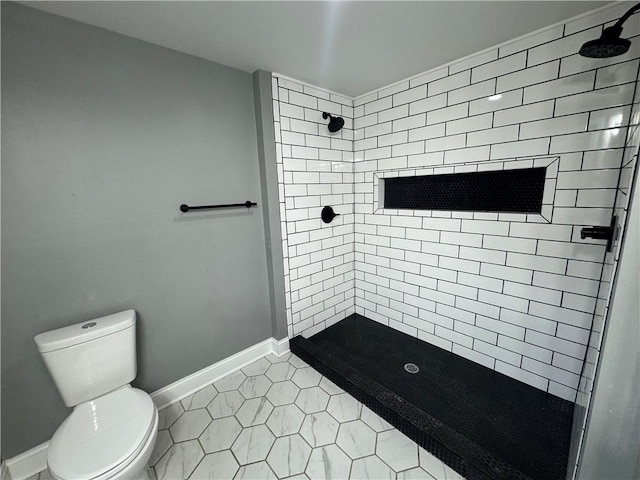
column 628, row 175
column 315, row 169
column 514, row 292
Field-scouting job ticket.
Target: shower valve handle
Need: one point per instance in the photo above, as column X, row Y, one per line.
column 328, row 214
column 608, row 233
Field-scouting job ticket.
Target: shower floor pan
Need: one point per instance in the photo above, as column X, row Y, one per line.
column 481, row 423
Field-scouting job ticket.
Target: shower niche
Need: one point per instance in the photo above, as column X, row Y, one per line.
column 524, row 188
column 511, row 191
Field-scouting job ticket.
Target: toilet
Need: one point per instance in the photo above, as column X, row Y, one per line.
column 112, row 429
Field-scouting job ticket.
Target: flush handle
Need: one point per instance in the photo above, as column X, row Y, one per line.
column 602, row 233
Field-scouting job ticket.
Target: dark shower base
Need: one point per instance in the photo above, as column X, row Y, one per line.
column 481, row 423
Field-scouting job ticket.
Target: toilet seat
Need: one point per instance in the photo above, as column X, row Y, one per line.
column 102, row 437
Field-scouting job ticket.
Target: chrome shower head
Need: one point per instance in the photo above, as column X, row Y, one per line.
column 335, row 123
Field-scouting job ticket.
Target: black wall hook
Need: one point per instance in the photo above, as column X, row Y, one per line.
column 328, row 214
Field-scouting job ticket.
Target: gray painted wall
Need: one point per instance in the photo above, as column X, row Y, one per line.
column 270, row 200
column 612, row 437
column 103, row 137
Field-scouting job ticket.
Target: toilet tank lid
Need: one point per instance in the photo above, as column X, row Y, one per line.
column 85, row 331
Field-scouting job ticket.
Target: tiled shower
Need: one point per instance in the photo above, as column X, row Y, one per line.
column 462, row 331
column 521, row 294
column 315, row 168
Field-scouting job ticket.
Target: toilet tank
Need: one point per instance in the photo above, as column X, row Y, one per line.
column 89, row 359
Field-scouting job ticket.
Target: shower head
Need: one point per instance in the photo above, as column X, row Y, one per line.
column 609, row 44
column 335, row 123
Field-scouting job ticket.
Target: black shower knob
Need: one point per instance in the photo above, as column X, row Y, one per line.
column 328, row 214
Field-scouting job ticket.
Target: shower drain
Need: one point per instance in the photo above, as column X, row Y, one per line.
column 411, row 368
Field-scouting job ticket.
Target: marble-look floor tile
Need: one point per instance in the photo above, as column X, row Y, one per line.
column 285, row 420
column 253, row 444
column 168, row 415
column 230, row 382
column 278, row 359
column 259, row 367
column 297, row 362
column 220, row 434
column 225, row 404
column 163, row 443
column 397, row 450
column 344, row 407
column 254, row 412
column 200, row 399
column 451, row 474
column 220, row 465
column 431, row 464
column 289, row 456
column 315, row 432
column 373, row 420
column 356, row 439
column 435, row 467
column 328, row 463
column 282, row 393
column 319, row 429
column 190, row 425
column 179, row 461
column 279, row 372
column 415, row 474
column 371, row 468
column 312, row 400
column 256, row 471
column 306, row 377
column 330, row 387
column 255, row 386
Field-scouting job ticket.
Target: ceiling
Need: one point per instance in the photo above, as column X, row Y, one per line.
column 348, row 47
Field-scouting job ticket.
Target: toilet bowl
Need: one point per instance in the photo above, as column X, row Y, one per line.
column 112, row 429
column 109, row 437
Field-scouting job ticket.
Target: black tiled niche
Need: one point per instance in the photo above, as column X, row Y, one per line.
column 513, row 191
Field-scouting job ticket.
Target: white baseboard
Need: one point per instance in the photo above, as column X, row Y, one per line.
column 26, row 464
column 4, row 472
column 280, row 347
column 196, row 381
column 33, row 461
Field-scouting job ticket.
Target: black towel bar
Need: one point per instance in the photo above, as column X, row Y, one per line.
column 248, row 204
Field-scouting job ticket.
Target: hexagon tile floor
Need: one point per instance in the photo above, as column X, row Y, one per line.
column 279, row 418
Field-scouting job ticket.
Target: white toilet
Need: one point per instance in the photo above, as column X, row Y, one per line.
column 112, row 430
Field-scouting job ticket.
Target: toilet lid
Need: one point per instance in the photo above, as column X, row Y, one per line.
column 101, row 434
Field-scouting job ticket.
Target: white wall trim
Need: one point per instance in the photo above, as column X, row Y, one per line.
column 280, row 347
column 4, row 472
column 26, row 464
column 184, row 387
column 32, row 461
